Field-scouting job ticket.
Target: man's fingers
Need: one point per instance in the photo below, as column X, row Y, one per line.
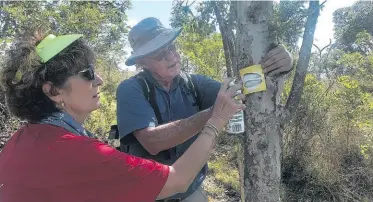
column 274, row 59
column 277, row 71
column 280, row 65
column 285, row 66
column 273, row 52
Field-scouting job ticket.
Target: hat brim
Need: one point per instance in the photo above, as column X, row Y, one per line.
column 154, row 45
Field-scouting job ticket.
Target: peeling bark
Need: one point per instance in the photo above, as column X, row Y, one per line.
column 260, row 169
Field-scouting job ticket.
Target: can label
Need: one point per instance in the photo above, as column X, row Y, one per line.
column 236, row 124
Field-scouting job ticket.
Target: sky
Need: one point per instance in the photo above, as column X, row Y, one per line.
column 161, row 9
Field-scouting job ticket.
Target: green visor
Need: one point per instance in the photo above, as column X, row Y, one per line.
column 49, row 47
column 52, row 45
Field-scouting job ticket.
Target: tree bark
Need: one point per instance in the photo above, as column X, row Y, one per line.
column 304, row 57
column 225, row 38
column 231, row 36
column 260, row 169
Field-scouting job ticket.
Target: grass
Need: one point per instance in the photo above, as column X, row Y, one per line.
column 225, row 173
column 223, row 178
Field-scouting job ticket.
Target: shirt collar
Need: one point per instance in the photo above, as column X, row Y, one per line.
column 151, row 79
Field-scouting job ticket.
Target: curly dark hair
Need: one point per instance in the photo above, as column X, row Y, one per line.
column 25, row 98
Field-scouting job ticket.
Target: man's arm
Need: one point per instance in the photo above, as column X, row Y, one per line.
column 157, row 139
column 162, row 137
column 135, row 114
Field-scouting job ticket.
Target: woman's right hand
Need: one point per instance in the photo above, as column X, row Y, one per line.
column 184, row 170
column 225, row 104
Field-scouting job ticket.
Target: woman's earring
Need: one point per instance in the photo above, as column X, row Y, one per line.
column 62, row 104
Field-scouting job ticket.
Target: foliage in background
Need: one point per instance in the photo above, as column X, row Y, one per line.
column 104, row 25
column 328, row 148
column 328, row 143
column 202, row 55
column 351, row 21
column 288, row 22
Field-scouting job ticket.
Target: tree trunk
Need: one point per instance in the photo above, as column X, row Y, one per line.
column 304, row 57
column 225, row 38
column 232, row 36
column 261, row 171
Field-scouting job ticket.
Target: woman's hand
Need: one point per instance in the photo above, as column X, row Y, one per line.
column 225, row 104
column 184, row 170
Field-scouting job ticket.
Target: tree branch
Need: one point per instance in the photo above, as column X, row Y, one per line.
column 330, row 43
column 327, row 57
column 231, row 37
column 320, row 51
column 322, row 4
column 225, row 38
column 304, row 58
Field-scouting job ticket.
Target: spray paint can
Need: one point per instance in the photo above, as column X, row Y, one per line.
column 236, row 124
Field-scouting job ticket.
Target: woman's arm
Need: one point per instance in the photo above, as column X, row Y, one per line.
column 185, row 169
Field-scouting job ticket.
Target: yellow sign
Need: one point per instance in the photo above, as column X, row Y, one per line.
column 253, row 79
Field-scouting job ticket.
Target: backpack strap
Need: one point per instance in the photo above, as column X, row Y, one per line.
column 144, row 86
column 190, row 85
column 148, row 90
column 149, row 93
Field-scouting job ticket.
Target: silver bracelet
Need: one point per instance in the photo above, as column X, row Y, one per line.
column 213, row 134
column 210, row 125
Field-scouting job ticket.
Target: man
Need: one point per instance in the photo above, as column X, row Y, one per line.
column 181, row 114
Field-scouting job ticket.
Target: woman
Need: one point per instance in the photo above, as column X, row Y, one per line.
column 50, row 82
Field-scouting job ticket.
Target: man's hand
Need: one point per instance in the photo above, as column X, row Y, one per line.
column 276, row 61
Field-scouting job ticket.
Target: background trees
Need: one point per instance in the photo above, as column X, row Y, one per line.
column 326, row 141
column 104, row 25
column 331, row 128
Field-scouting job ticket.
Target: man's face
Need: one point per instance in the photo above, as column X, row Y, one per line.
column 164, row 64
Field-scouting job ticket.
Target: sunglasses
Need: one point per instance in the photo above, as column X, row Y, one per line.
column 87, row 74
column 163, row 53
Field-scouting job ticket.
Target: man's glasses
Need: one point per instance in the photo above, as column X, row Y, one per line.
column 162, row 54
column 87, row 74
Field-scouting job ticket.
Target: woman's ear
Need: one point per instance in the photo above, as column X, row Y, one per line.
column 52, row 92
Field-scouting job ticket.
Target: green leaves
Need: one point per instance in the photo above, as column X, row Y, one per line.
column 102, row 23
column 288, row 22
column 359, row 65
column 202, row 22
column 352, row 20
column 203, row 55
column 335, row 111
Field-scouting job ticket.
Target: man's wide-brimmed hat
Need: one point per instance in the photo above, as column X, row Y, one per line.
column 149, row 36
